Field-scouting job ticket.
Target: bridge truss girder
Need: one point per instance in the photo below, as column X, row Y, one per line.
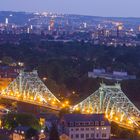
column 111, row 101
column 28, row 87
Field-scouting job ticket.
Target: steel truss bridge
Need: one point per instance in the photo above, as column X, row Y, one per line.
column 110, row 100
column 29, row 88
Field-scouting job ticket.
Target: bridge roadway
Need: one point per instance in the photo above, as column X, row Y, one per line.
column 56, row 108
column 49, row 106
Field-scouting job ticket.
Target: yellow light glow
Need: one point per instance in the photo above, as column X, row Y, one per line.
column 139, row 132
column 106, row 116
column 18, row 95
column 53, row 102
column 129, row 122
column 63, row 105
column 83, row 110
column 40, row 99
column 76, row 108
column 116, row 119
column 132, row 118
column 31, row 98
column 97, row 128
column 67, row 102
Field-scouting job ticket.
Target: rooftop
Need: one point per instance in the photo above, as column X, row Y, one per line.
column 85, row 118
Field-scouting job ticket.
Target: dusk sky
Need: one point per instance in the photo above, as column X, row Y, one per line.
column 123, row 8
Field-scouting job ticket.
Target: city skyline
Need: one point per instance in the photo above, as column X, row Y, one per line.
column 107, row 8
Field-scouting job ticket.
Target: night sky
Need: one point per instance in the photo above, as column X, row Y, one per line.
column 123, row 8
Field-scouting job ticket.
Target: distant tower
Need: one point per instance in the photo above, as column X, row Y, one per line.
column 119, row 28
column 107, row 33
column 139, row 28
column 52, row 24
column 28, row 30
column 85, row 25
column 6, row 21
column 49, row 28
column 99, row 26
column 31, row 27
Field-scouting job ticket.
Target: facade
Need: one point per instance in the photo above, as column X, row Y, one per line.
column 115, row 75
column 7, row 74
column 9, row 71
column 85, row 127
column 19, row 133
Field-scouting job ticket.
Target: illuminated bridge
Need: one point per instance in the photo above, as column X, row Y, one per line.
column 110, row 100
column 28, row 88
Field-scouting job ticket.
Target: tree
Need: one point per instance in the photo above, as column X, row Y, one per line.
column 46, row 130
column 13, row 120
column 7, row 60
column 54, row 133
column 4, row 137
column 64, row 111
column 32, row 133
column 120, row 132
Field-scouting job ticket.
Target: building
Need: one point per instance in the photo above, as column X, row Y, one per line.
column 115, row 75
column 6, row 21
column 85, row 127
column 7, row 74
column 20, row 133
column 9, row 71
column 50, row 121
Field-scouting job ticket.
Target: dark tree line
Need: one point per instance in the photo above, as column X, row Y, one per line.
column 66, row 65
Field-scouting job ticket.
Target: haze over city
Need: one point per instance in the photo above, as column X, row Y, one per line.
column 115, row 8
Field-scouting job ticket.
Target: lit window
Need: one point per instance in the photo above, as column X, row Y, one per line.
column 97, row 128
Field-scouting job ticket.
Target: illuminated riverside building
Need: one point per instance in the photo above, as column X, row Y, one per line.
column 85, row 127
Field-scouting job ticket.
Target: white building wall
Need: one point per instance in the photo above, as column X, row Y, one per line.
column 93, row 132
